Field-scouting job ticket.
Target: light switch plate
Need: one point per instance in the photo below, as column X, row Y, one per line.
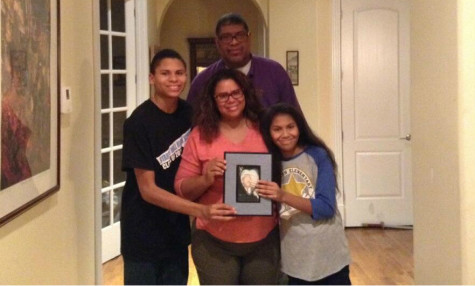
column 66, row 100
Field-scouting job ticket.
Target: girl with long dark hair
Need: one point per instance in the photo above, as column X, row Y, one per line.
column 314, row 248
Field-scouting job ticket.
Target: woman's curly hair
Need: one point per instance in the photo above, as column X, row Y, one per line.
column 206, row 113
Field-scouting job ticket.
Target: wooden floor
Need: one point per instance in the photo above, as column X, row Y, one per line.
column 379, row 256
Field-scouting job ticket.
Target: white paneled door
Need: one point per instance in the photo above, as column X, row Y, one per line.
column 375, row 112
column 118, row 99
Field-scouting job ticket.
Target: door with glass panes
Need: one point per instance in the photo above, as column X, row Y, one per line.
column 118, row 99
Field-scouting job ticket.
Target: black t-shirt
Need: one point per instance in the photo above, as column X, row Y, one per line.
column 153, row 140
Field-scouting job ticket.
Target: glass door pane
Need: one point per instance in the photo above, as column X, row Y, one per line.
column 117, row 40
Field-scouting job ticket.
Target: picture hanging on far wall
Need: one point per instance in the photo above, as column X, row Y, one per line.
column 29, row 104
column 203, row 52
column 293, row 66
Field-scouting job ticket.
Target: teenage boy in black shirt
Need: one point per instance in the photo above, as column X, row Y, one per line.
column 155, row 228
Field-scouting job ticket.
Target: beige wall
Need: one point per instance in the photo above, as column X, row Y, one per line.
column 310, row 34
column 442, row 64
column 53, row 243
column 326, row 102
column 303, row 23
column 466, row 106
column 152, row 17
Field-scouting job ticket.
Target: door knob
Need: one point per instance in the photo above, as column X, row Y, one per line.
column 407, row 137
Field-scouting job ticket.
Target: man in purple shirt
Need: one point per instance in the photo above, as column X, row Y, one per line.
column 232, row 41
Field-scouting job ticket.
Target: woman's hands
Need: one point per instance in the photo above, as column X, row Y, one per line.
column 194, row 186
column 270, row 190
column 221, row 212
column 215, row 167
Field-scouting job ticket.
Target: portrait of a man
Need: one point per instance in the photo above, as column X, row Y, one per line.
column 248, row 177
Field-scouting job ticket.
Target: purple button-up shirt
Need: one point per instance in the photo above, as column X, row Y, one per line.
column 269, row 78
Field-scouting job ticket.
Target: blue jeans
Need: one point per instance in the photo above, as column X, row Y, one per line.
column 167, row 271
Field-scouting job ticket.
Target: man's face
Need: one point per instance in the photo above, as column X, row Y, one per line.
column 248, row 181
column 234, row 45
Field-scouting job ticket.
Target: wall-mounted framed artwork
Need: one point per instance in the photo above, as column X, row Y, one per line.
column 203, row 52
column 293, row 66
column 29, row 104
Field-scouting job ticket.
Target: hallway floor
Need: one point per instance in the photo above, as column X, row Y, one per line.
column 379, row 256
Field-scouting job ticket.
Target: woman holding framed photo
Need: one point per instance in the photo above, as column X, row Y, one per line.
column 244, row 250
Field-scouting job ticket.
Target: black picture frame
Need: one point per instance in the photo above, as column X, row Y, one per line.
column 241, row 165
column 32, row 174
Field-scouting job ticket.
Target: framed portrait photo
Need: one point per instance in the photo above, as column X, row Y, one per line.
column 243, row 171
column 292, row 61
column 29, row 104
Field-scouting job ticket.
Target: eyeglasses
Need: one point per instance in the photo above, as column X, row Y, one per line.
column 224, row 96
column 228, row 38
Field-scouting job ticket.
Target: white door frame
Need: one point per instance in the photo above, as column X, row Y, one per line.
column 97, row 142
column 143, row 90
column 142, row 51
column 336, row 94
